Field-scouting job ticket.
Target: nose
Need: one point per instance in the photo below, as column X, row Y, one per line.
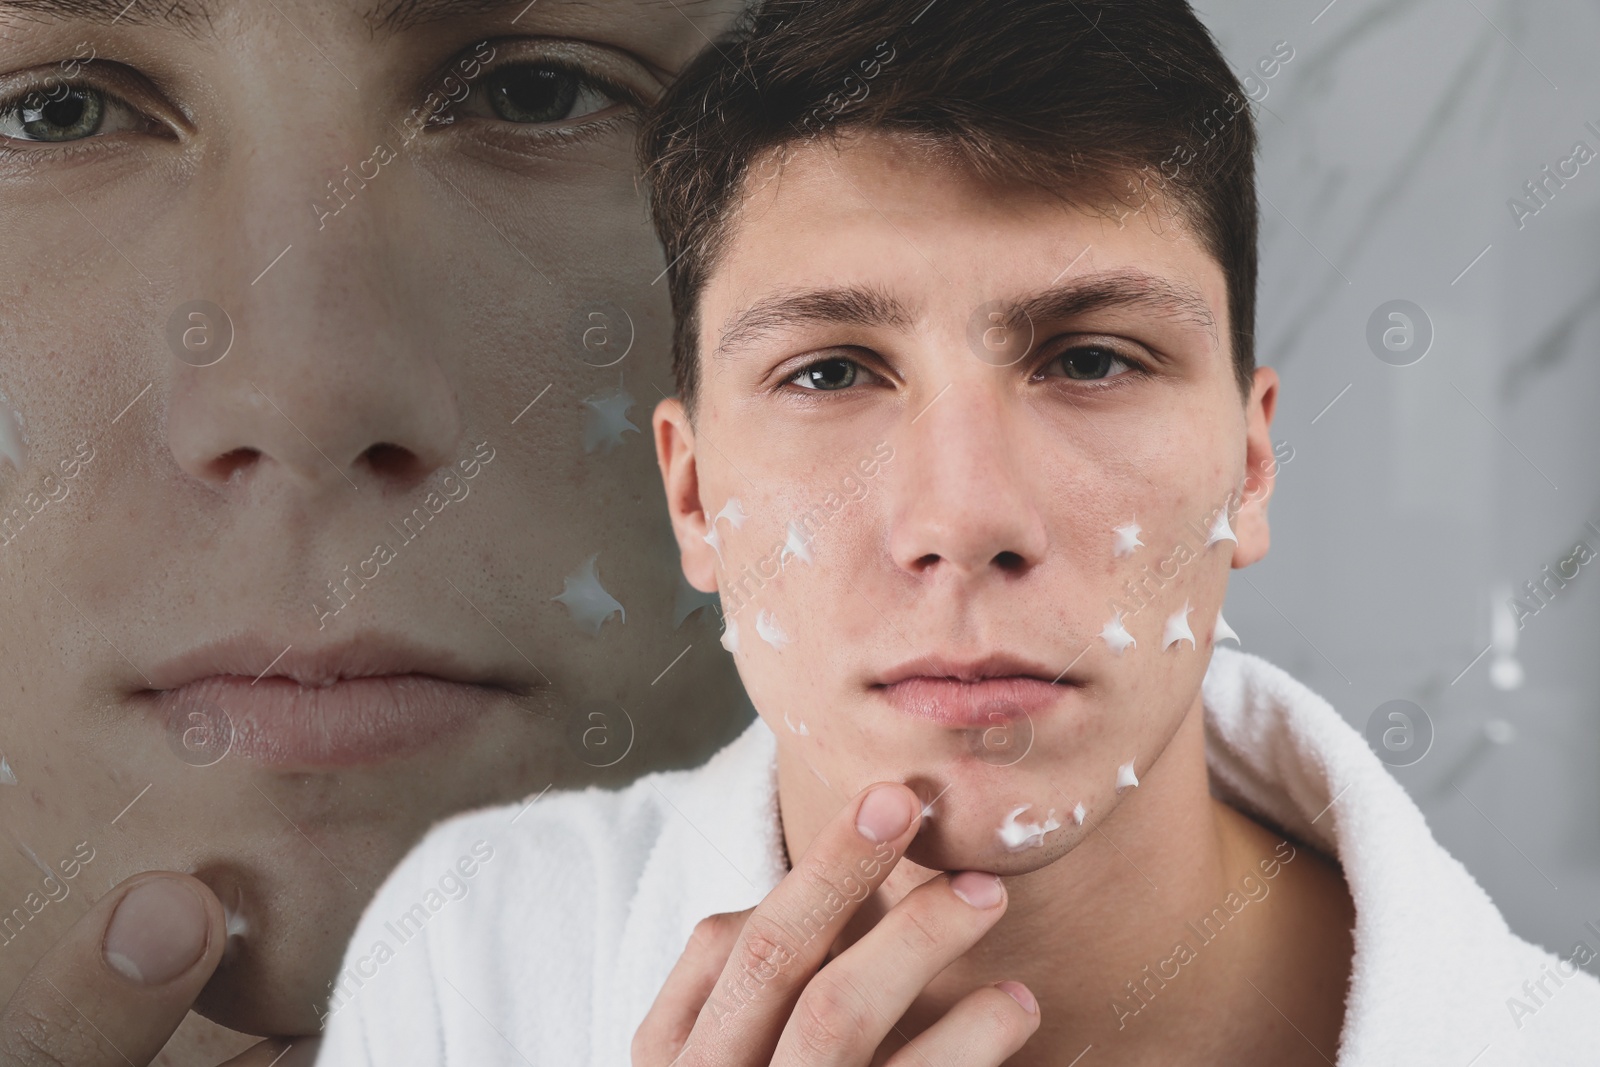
column 964, row 504
column 333, row 379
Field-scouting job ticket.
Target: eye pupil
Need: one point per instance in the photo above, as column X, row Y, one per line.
column 831, row 374
column 1088, row 363
column 73, row 114
column 532, row 94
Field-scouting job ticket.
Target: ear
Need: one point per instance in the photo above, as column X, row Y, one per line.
column 1261, row 470
column 680, row 476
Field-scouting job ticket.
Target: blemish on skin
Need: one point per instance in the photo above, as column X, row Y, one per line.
column 7, row 775
column 768, row 630
column 795, row 545
column 793, row 729
column 1177, row 629
column 607, row 420
column 1017, row 835
column 588, row 600
column 13, row 441
column 733, row 511
column 1116, row 635
column 730, row 635
column 1224, row 632
column 1079, row 813
column 1220, row 530
column 1127, row 540
column 1126, row 779
column 714, row 539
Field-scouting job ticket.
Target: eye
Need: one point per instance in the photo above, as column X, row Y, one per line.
column 828, row 375
column 1088, row 363
column 65, row 113
column 538, row 94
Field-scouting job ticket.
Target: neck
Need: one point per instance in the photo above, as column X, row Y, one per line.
column 1094, row 934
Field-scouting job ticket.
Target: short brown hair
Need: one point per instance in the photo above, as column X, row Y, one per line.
column 1080, row 97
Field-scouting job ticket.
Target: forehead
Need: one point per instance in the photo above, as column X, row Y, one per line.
column 871, row 205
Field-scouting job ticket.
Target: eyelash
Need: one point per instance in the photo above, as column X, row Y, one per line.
column 1136, row 369
column 567, row 133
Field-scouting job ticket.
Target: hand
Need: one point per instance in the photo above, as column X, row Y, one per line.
column 115, row 987
column 752, row 989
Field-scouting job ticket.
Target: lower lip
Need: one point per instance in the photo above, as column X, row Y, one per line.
column 967, row 704
column 281, row 723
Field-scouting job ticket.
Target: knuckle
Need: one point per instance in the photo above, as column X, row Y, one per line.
column 765, row 944
column 922, row 931
column 832, row 1019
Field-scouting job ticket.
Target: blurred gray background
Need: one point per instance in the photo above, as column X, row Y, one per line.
column 1422, row 497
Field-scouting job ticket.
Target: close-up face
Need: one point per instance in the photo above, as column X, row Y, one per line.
column 327, row 507
column 969, row 467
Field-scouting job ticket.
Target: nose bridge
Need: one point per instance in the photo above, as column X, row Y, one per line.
column 334, row 373
column 967, row 501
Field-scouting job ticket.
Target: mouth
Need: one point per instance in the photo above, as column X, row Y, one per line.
column 974, row 692
column 364, row 701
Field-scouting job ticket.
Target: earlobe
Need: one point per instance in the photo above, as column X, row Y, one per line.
column 680, row 477
column 1261, row 471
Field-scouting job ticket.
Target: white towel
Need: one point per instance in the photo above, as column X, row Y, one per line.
column 551, row 950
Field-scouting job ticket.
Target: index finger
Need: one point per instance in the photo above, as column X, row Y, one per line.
column 118, row 983
column 788, row 936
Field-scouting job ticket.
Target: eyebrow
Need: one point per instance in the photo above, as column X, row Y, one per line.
column 389, row 16
column 872, row 307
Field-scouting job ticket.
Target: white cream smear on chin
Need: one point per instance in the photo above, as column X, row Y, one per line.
column 13, row 441
column 1017, row 835
column 7, row 775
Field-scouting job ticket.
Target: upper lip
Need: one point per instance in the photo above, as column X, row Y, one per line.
column 369, row 655
column 973, row 669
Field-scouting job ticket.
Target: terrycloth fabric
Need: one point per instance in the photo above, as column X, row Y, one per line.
column 541, row 933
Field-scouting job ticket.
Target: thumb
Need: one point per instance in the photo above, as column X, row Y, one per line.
column 116, row 986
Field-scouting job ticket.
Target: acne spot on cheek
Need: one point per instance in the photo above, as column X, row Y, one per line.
column 1127, row 540
column 607, row 420
column 587, row 600
column 768, row 630
column 13, row 441
column 1177, row 629
column 1116, row 635
column 1224, row 632
column 1126, row 779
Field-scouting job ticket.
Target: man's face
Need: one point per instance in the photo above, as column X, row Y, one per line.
column 420, row 252
column 941, row 504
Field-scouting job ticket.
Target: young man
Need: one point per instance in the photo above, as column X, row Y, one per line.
column 313, row 318
column 969, row 435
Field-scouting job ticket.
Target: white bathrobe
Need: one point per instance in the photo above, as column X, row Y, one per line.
column 539, row 933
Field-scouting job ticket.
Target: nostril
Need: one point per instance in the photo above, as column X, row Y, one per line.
column 393, row 463
column 231, row 464
column 1009, row 561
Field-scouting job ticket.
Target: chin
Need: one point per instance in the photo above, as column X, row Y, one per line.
column 995, row 837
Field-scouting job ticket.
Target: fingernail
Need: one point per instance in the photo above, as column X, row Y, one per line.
column 884, row 815
column 1019, row 993
column 978, row 889
column 158, row 932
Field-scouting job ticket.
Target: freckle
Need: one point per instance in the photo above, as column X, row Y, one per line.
column 1126, row 779
column 1116, row 635
column 1224, row 632
column 1177, row 629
